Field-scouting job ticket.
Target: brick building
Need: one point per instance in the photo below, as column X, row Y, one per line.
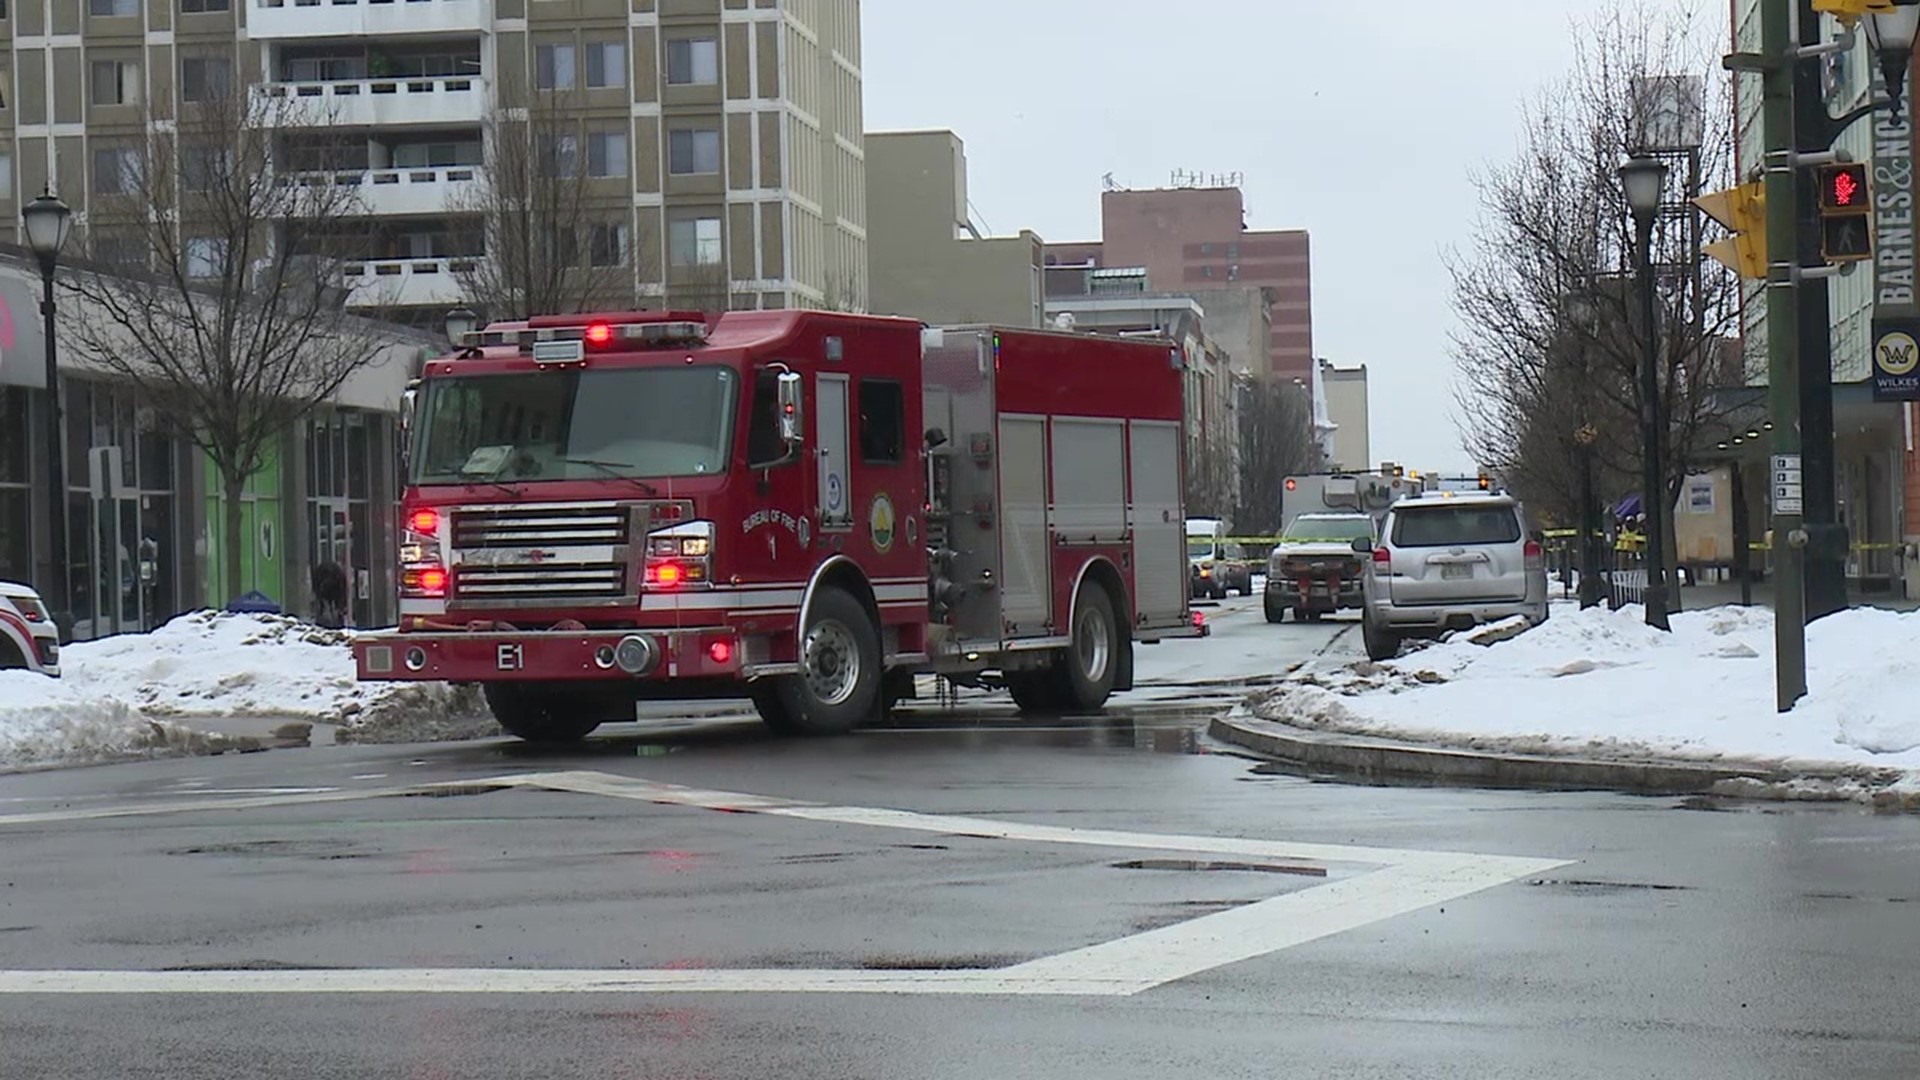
column 1195, row 238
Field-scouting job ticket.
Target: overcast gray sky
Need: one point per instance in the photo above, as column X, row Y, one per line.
column 1358, row 122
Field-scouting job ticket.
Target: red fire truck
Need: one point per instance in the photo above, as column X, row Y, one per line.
column 804, row 508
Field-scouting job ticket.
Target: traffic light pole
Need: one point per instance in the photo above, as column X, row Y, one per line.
column 1783, row 341
column 1825, row 567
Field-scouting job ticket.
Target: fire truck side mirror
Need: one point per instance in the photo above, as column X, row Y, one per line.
column 409, row 400
column 790, row 408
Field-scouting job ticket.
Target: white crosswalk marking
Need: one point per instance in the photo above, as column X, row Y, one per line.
column 1383, row 883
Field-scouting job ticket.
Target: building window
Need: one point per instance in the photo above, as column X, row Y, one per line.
column 560, row 156
column 118, row 250
column 607, row 153
column 693, row 151
column 197, row 7
column 693, row 62
column 116, row 82
column 428, row 155
column 205, row 78
column 562, row 247
column 606, row 64
column 607, row 244
column 206, row 257
column 204, row 166
column 116, row 171
column 695, row 241
column 883, row 422
column 1206, row 272
column 553, row 67
column 6, row 174
column 113, row 7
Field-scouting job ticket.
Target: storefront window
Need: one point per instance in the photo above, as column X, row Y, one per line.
column 125, row 543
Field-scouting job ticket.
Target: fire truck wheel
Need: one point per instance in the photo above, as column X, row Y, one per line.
column 1035, row 691
column 1275, row 613
column 839, row 682
column 1087, row 672
column 534, row 716
column 765, row 694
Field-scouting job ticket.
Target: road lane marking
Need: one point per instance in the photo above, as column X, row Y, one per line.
column 1402, row 881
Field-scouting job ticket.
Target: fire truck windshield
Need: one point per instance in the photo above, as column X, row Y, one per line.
column 575, row 425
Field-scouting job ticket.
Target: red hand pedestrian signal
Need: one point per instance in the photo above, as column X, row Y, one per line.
column 1843, row 188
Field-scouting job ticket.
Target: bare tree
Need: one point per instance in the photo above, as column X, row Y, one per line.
column 1550, row 335
column 1276, row 441
column 704, row 287
column 214, row 285
column 557, row 237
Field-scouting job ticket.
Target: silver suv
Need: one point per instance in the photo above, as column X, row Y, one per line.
column 1450, row 562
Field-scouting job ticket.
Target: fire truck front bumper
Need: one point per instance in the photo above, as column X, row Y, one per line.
column 516, row 655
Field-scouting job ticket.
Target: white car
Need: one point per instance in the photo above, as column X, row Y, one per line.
column 28, row 638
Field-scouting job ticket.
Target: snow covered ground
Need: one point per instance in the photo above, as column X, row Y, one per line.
column 1603, row 684
column 123, row 695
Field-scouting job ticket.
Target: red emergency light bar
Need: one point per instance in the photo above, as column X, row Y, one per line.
column 595, row 334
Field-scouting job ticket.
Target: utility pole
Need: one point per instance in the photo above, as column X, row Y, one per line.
column 1778, row 46
column 1814, row 131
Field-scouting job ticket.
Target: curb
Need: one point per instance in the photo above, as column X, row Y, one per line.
column 1374, row 758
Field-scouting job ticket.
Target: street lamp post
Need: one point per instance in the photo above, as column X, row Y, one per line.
column 1642, row 179
column 47, row 221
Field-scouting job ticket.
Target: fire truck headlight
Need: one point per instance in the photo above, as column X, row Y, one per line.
column 680, row 556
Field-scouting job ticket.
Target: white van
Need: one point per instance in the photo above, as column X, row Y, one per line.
column 1213, row 565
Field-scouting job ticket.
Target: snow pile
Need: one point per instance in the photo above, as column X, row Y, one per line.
column 1603, row 684
column 43, row 720
column 216, row 664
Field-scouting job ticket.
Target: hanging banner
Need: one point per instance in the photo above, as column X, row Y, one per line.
column 1896, row 359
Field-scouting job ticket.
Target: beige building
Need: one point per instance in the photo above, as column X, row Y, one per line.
column 927, row 260
column 1346, row 397
column 722, row 138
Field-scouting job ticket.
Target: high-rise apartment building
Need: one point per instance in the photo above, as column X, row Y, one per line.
column 719, row 142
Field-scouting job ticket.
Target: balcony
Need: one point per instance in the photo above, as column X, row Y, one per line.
column 355, row 18
column 444, row 100
column 422, row 192
column 405, row 282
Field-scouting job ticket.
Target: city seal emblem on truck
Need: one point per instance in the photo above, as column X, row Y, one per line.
column 880, row 523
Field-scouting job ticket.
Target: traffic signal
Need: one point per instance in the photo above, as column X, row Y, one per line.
column 1851, row 11
column 1846, row 213
column 1486, row 482
column 1742, row 211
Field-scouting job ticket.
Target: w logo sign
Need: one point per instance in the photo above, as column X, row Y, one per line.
column 1896, row 354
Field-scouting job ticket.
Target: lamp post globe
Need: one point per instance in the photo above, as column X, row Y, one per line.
column 1891, row 34
column 1643, row 179
column 48, row 220
column 461, row 322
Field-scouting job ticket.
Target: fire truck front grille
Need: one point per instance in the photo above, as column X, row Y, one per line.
column 563, row 526
column 570, row 581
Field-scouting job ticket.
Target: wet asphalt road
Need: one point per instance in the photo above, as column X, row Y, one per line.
column 1682, row 940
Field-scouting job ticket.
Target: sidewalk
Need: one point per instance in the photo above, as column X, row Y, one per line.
column 1720, row 594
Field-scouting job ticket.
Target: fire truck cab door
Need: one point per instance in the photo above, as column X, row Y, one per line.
column 830, row 436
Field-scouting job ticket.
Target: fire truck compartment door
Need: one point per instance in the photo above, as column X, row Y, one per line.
column 1159, row 523
column 1026, row 581
column 830, row 430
